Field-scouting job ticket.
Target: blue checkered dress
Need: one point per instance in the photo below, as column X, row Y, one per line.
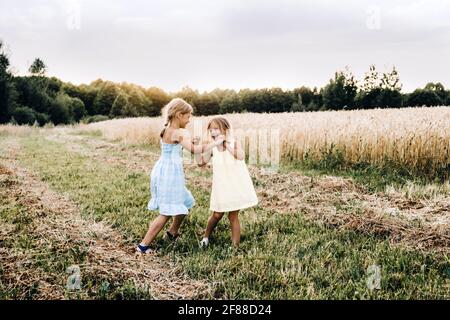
column 168, row 190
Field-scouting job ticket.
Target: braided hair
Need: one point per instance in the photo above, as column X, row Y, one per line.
column 172, row 108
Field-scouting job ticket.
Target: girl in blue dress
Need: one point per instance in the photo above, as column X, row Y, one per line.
column 169, row 194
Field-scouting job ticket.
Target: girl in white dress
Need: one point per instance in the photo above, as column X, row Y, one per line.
column 232, row 187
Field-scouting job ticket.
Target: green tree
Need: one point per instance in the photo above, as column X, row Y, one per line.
column 253, row 100
column 341, row 91
column 307, row 95
column 317, row 100
column 380, row 90
column 422, row 97
column 189, row 95
column 42, row 118
column 278, row 100
column 105, row 98
column 389, row 99
column 230, row 103
column 24, row 115
column 31, row 92
column 59, row 109
column 74, row 106
column 371, row 79
column 298, row 105
column 119, row 105
column 439, row 89
column 38, row 67
column 207, row 104
column 77, row 109
column 87, row 94
column 8, row 92
column 391, row 81
column 158, row 100
column 139, row 105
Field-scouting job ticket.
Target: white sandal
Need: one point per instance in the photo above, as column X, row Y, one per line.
column 204, row 243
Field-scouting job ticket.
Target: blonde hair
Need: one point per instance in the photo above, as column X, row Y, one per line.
column 172, row 108
column 222, row 122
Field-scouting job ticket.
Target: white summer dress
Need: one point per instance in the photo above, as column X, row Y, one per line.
column 232, row 187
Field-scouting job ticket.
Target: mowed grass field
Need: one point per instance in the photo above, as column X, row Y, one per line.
column 75, row 196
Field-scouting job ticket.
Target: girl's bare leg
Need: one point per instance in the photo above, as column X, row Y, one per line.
column 235, row 227
column 154, row 228
column 212, row 222
column 176, row 223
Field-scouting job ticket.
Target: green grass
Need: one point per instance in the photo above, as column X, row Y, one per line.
column 281, row 256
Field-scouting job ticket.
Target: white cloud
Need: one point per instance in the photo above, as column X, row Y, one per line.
column 420, row 14
column 228, row 43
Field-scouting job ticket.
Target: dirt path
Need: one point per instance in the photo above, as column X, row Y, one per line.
column 335, row 201
column 57, row 226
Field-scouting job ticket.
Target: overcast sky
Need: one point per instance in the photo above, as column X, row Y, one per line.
column 228, row 44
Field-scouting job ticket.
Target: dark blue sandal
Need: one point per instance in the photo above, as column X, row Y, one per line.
column 144, row 249
column 171, row 236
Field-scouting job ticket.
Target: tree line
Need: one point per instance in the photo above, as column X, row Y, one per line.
column 38, row 99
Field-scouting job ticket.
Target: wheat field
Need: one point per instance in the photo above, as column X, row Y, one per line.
column 414, row 138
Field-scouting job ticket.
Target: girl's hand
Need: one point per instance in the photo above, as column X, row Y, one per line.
column 235, row 149
column 219, row 140
column 196, row 140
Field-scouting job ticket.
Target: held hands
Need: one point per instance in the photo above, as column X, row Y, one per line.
column 219, row 140
column 196, row 140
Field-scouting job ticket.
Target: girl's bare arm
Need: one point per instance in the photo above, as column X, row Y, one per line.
column 235, row 149
column 184, row 138
column 203, row 158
